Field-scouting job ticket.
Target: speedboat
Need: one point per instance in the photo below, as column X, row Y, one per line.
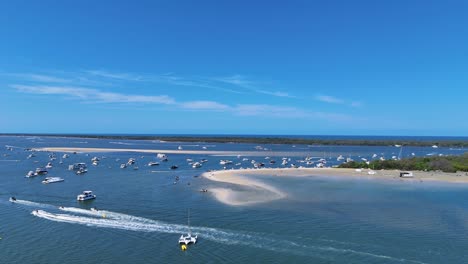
column 12, row 199
column 86, row 195
column 52, row 180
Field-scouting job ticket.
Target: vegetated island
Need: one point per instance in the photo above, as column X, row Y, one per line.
column 268, row 140
column 435, row 163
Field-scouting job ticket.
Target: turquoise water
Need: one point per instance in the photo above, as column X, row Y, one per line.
column 142, row 212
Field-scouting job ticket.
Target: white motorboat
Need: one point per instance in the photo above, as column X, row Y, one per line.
column 41, row 171
column 153, row 163
column 31, row 174
column 81, row 171
column 48, row 180
column 123, row 166
column 188, row 239
column 196, row 165
column 225, row 162
column 86, row 195
column 77, row 166
column 49, row 165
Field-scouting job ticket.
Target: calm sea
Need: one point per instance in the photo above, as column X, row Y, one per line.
column 142, row 212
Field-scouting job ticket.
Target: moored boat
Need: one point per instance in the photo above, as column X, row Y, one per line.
column 48, row 180
column 86, row 195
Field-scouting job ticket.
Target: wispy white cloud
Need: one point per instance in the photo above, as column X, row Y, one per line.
column 204, row 105
column 37, row 77
column 93, row 95
column 261, row 110
column 243, row 82
column 329, row 99
column 237, row 84
column 118, row 76
column 277, row 94
column 268, row 110
column 237, row 80
column 334, row 100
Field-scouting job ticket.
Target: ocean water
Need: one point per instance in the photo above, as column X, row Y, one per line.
column 142, row 212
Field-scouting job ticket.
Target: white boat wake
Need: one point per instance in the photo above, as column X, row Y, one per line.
column 109, row 219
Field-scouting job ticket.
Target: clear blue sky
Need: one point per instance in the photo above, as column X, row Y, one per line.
column 248, row 67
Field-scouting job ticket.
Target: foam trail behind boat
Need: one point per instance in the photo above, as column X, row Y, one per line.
column 33, row 204
column 132, row 223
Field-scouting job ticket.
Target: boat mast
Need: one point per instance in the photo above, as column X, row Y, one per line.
column 188, row 220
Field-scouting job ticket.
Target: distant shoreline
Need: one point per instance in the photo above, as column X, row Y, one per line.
column 334, row 141
column 262, row 192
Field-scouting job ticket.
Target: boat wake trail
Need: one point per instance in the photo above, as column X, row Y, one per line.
column 108, row 219
column 33, row 204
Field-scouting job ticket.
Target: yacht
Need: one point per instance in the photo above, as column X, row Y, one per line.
column 52, row 180
column 86, row 195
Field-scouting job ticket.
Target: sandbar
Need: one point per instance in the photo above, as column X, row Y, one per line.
column 263, row 192
column 181, row 151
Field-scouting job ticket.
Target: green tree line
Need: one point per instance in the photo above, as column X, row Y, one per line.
column 444, row 163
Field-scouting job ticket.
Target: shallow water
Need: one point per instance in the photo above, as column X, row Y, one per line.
column 322, row 220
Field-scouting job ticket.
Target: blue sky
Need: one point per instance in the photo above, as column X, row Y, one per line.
column 234, row 67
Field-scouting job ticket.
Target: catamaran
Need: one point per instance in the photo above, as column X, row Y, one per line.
column 188, row 239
